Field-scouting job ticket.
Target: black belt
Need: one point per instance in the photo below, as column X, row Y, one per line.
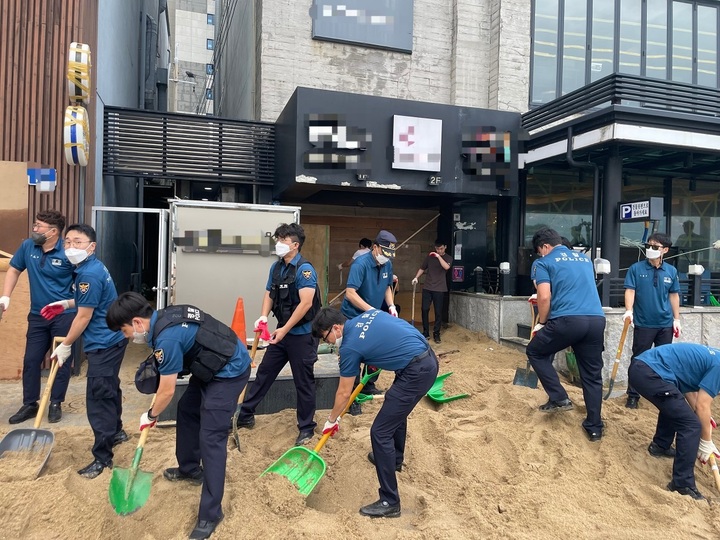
column 420, row 356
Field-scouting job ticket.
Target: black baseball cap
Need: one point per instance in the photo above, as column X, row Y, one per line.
column 387, row 242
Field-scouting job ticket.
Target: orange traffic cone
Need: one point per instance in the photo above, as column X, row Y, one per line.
column 238, row 321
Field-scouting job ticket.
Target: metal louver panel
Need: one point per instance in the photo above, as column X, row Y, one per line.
column 178, row 146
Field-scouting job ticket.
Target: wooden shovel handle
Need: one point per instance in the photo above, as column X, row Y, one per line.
column 144, row 433
column 716, row 473
column 620, row 348
column 46, row 394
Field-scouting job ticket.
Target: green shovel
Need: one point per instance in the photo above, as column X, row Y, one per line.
column 303, row 467
column 130, row 488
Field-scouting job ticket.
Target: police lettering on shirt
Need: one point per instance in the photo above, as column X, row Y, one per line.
column 365, row 325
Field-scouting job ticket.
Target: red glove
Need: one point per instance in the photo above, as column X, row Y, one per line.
column 264, row 333
column 434, row 254
column 713, row 423
column 331, row 427
column 54, row 309
column 533, row 299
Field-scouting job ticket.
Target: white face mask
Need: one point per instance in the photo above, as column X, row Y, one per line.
column 652, row 253
column 381, row 259
column 281, row 249
column 76, row 255
column 140, row 337
column 338, row 340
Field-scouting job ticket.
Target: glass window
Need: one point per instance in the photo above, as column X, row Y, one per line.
column 209, row 69
column 707, row 46
column 603, row 40
column 682, row 42
column 633, row 235
column 656, row 46
column 545, row 51
column 210, row 44
column 630, row 37
column 695, row 223
column 211, row 19
column 208, row 93
column 561, row 200
column 574, row 45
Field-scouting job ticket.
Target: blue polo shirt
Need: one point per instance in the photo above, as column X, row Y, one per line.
column 50, row 273
column 94, row 288
column 305, row 277
column 370, row 281
column 174, row 341
column 572, row 280
column 652, row 288
column 688, row 366
column 378, row 338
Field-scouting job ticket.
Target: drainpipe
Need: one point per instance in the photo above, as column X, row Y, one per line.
column 596, row 193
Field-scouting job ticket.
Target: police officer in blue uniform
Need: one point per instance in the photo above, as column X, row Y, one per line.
column 681, row 380
column 94, row 291
column 370, row 286
column 393, row 345
column 569, row 315
column 184, row 340
column 652, row 302
column 50, row 276
column 292, row 294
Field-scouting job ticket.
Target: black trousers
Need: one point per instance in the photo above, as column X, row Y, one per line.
column 389, row 430
column 104, row 397
column 586, row 336
column 301, row 352
column 437, row 299
column 643, row 340
column 40, row 334
column 202, row 434
column 676, row 420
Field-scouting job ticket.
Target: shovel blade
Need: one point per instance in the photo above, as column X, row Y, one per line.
column 303, row 467
column 128, row 494
column 37, row 443
column 525, row 377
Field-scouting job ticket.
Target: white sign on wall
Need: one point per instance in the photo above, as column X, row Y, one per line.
column 417, row 143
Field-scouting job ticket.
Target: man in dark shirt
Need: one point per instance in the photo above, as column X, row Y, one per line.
column 435, row 266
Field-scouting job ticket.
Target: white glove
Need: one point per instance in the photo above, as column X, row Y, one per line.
column 414, row 281
column 262, row 319
column 677, row 328
column 628, row 315
column 716, row 244
column 705, row 449
column 537, row 328
column 331, row 427
column 62, row 353
column 533, row 299
column 340, row 266
column 392, row 310
column 5, row 301
column 146, row 422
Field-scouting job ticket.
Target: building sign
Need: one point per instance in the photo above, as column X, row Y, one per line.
column 646, row 210
column 336, row 143
column 458, row 273
column 417, row 143
column 386, row 24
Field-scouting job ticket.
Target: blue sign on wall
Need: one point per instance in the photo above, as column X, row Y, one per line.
column 35, row 176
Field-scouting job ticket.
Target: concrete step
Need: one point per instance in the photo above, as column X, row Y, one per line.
column 517, row 343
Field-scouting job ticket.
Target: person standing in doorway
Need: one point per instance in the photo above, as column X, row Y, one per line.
column 435, row 266
column 292, row 294
column 50, row 277
column 94, row 291
column 687, row 244
column 652, row 302
column 363, row 247
column 569, row 315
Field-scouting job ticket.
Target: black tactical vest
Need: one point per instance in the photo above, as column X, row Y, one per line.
column 285, row 296
column 215, row 343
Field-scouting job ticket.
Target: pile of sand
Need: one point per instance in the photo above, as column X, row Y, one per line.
column 488, row 466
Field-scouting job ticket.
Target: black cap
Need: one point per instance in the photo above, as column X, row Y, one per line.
column 387, row 242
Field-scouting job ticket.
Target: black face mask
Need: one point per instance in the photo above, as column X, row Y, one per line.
column 38, row 238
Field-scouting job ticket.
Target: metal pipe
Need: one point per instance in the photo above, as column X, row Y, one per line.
column 596, row 192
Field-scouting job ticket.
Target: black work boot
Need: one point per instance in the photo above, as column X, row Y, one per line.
column 26, row 412
column 54, row 413
column 436, row 337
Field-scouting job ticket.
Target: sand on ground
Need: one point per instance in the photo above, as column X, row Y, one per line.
column 487, row 466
